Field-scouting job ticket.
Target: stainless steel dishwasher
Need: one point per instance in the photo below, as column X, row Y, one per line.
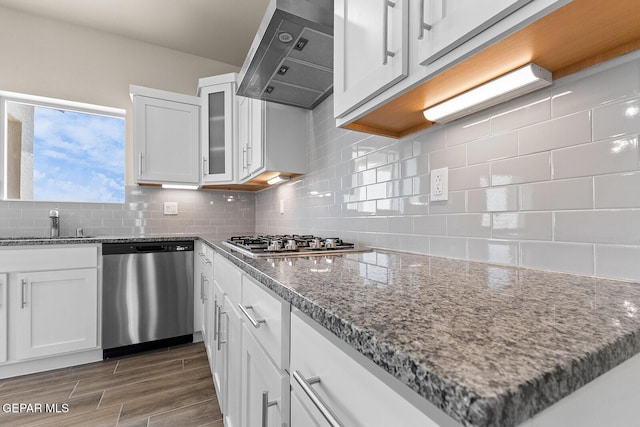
column 147, row 295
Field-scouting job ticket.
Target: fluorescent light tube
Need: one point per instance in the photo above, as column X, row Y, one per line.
column 180, row 186
column 523, row 80
column 278, row 179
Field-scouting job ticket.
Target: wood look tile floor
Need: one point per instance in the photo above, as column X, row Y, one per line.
column 170, row 387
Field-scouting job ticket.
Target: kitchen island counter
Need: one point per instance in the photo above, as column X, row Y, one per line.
column 489, row 345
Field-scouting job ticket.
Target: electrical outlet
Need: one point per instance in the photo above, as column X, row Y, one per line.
column 281, row 206
column 439, row 184
column 171, row 208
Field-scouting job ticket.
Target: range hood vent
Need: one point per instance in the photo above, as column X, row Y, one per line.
column 291, row 58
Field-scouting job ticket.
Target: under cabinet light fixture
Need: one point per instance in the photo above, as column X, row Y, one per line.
column 518, row 82
column 278, row 179
column 180, row 186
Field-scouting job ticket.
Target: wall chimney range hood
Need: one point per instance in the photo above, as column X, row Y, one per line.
column 291, row 58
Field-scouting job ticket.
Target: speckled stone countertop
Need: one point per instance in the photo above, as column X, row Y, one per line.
column 489, row 345
column 69, row 240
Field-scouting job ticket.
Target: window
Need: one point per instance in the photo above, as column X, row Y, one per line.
column 61, row 151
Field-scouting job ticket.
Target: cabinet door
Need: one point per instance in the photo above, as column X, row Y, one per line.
column 166, row 135
column 219, row 346
column 55, row 312
column 264, row 388
column 370, row 49
column 218, row 130
column 446, row 24
column 231, row 333
column 3, row 317
column 250, row 137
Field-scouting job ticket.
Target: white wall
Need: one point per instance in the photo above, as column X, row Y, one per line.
column 48, row 58
column 549, row 181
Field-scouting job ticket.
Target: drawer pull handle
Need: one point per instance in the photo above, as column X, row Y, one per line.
column 327, row 413
column 265, row 408
column 215, row 318
column 245, row 310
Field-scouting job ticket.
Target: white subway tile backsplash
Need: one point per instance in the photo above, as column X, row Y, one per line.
column 616, row 119
column 469, row 177
column 601, row 226
column 472, row 225
column 493, row 251
column 452, row 247
column 523, row 226
column 451, row 157
column 497, row 199
column 564, row 257
column 557, row 133
column 619, row 262
column 469, row 129
column 496, row 147
column 618, row 190
column 535, row 167
column 557, row 195
column 578, row 94
column 524, row 111
column 455, row 204
column 549, row 180
column 430, row 225
column 597, row 158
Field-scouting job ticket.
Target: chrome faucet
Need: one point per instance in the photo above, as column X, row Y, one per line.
column 55, row 222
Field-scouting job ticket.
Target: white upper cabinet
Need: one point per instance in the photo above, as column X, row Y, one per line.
column 166, row 137
column 250, row 138
column 217, row 96
column 370, row 49
column 440, row 33
column 271, row 137
column 446, row 24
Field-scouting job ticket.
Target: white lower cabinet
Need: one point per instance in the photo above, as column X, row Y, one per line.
column 3, row 316
column 218, row 341
column 231, row 334
column 56, row 312
column 49, row 307
column 264, row 386
column 342, row 388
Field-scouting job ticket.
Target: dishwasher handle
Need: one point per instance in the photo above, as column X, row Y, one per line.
column 156, row 248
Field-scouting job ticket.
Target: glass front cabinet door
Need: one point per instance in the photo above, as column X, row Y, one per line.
column 218, row 127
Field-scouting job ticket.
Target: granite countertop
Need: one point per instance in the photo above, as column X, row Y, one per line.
column 70, row 240
column 489, row 345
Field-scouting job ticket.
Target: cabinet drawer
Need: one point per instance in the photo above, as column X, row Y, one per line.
column 355, row 395
column 37, row 259
column 228, row 276
column 272, row 315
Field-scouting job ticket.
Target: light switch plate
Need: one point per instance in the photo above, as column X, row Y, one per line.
column 171, row 208
column 439, row 185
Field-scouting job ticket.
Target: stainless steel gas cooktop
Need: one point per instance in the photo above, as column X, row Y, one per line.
column 287, row 245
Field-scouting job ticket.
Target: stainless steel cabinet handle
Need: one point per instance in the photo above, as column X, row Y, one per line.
column 248, row 156
column 202, row 287
column 220, row 340
column 265, row 408
column 327, row 413
column 244, row 157
column 245, row 310
column 385, row 31
column 215, row 319
column 22, row 295
column 423, row 25
column 204, row 166
column 140, row 164
column 1, row 285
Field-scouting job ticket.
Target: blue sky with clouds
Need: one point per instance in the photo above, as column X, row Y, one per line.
column 78, row 157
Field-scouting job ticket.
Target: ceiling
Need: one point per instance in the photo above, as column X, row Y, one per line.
column 216, row 29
